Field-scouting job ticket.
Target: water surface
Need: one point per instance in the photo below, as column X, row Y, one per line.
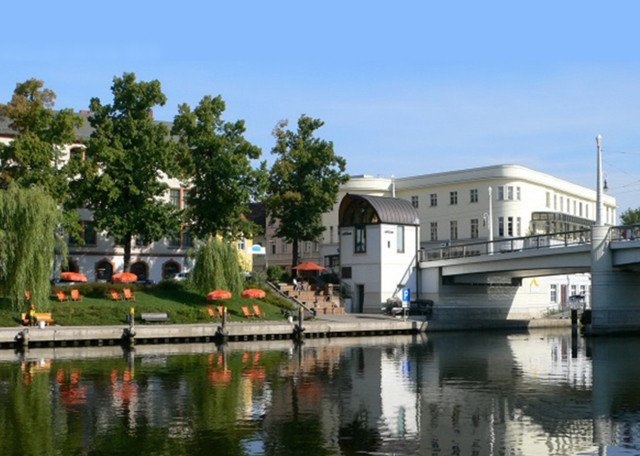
column 484, row 393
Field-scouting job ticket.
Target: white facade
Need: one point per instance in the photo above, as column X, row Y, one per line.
column 453, row 207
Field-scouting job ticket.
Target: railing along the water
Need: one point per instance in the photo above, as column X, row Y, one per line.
column 507, row 245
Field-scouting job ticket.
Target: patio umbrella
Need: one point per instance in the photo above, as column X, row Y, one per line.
column 73, row 277
column 309, row 266
column 124, row 277
column 219, row 294
column 254, row 293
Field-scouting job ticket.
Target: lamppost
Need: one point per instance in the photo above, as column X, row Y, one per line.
column 490, row 223
column 599, row 183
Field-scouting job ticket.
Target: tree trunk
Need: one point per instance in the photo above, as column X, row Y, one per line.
column 127, row 252
column 294, row 257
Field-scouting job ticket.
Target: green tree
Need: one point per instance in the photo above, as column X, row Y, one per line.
column 630, row 217
column 28, row 219
column 34, row 157
column 303, row 182
column 222, row 180
column 216, row 267
column 127, row 154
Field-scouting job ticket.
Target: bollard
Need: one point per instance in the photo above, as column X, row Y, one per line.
column 574, row 318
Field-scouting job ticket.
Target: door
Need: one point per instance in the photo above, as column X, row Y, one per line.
column 359, row 298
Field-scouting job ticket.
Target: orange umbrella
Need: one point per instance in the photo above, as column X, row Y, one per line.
column 73, row 277
column 254, row 293
column 309, row 266
column 219, row 294
column 124, row 277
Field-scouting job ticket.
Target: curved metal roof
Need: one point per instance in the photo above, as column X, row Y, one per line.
column 377, row 209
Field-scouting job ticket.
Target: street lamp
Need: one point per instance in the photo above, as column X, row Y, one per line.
column 490, row 223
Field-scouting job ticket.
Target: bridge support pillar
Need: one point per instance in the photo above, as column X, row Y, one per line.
column 614, row 293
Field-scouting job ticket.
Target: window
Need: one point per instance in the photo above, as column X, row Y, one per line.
column 141, row 241
column 553, row 293
column 308, row 246
column 555, row 202
column 510, row 226
column 175, row 241
column 580, row 209
column 574, row 207
column 586, row 207
column 519, row 226
column 170, row 269
column 474, row 228
column 174, row 197
column 453, row 198
column 104, row 270
column 434, row 231
column 510, row 192
column 473, row 195
column 518, row 194
column 187, row 239
column 453, row 230
column 574, row 290
column 360, row 245
column 273, row 248
column 414, row 201
column 501, row 226
column 583, row 290
column 500, row 193
column 433, row 199
column 330, row 235
column 185, row 198
column 561, row 204
column 400, row 239
column 241, row 244
column 548, row 200
column 141, row 269
column 283, row 247
column 316, row 246
column 346, row 272
column 88, row 234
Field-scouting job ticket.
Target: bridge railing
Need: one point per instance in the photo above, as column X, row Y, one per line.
column 625, row 233
column 506, row 245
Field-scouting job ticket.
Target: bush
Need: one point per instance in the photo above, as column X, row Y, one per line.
column 256, row 277
column 330, row 277
column 96, row 290
column 276, row 274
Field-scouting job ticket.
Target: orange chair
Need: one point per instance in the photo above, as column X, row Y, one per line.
column 115, row 295
column 258, row 312
column 246, row 312
column 128, row 295
column 75, row 295
column 212, row 313
column 61, row 296
column 221, row 310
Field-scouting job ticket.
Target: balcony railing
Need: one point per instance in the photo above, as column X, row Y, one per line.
column 625, row 233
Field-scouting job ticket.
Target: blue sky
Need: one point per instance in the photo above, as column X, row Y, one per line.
column 404, row 87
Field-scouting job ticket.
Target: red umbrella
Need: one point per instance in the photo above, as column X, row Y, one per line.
column 254, row 293
column 73, row 277
column 309, row 266
column 124, row 277
column 219, row 294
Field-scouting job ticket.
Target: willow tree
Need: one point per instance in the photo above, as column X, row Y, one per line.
column 28, row 221
column 217, row 267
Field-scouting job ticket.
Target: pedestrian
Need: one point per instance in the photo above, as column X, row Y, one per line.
column 32, row 315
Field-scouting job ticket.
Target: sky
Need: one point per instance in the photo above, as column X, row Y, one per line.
column 404, row 88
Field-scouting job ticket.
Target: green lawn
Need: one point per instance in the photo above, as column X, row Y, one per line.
column 181, row 305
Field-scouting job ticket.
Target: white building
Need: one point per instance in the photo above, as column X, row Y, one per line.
column 453, row 207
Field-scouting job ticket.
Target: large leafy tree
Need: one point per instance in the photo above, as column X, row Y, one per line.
column 303, row 182
column 218, row 162
column 34, row 156
column 630, row 217
column 127, row 154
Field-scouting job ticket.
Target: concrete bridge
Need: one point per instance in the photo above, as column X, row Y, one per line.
column 487, row 280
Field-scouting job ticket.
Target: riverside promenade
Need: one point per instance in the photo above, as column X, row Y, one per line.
column 320, row 327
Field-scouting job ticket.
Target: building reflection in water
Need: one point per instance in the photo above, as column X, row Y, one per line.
column 542, row 392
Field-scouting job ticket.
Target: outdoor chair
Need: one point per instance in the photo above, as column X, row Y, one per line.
column 115, row 295
column 246, row 312
column 128, row 295
column 75, row 295
column 221, row 310
column 212, row 313
column 61, row 296
column 258, row 312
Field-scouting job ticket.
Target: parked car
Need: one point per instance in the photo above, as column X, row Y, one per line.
column 180, row 277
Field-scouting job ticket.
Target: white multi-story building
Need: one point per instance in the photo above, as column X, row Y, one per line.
column 454, row 207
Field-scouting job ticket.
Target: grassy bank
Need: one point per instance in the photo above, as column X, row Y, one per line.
column 181, row 305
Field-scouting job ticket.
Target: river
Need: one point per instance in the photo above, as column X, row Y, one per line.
column 456, row 393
